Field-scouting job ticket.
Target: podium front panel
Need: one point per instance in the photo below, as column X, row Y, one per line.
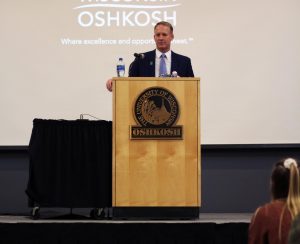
column 156, row 172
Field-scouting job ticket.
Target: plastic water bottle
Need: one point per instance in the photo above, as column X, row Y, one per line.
column 120, row 68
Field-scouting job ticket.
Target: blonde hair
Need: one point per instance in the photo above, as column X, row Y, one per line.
column 288, row 170
column 293, row 199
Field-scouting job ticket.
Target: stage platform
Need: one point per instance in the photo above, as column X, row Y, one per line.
column 209, row 228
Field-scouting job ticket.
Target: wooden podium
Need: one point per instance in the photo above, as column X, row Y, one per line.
column 156, row 147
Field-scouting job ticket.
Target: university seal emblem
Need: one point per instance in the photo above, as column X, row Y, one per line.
column 156, row 111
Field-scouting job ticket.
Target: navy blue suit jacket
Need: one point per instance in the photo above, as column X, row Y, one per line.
column 146, row 67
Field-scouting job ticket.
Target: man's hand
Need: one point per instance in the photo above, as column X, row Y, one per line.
column 109, row 84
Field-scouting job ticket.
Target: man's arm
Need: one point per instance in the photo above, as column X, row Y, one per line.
column 189, row 71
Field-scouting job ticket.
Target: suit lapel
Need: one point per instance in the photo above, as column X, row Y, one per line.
column 174, row 62
column 151, row 63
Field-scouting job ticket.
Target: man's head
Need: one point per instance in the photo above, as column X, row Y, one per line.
column 163, row 35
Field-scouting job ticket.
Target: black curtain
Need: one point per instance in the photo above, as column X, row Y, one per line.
column 70, row 163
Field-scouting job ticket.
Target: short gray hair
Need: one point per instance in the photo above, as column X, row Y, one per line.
column 165, row 23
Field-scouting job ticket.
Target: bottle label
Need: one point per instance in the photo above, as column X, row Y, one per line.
column 120, row 67
column 120, row 70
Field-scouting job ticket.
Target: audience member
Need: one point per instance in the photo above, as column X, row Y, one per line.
column 294, row 236
column 271, row 223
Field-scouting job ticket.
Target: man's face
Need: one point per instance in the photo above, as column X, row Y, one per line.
column 163, row 37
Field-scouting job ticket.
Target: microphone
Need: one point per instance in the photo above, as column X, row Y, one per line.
column 139, row 55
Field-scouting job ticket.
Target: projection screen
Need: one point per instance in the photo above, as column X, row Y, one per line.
column 56, row 56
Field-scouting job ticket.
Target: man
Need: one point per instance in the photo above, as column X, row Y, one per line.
column 149, row 65
column 153, row 64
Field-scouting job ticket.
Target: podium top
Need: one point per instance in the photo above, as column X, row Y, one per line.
column 157, row 78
